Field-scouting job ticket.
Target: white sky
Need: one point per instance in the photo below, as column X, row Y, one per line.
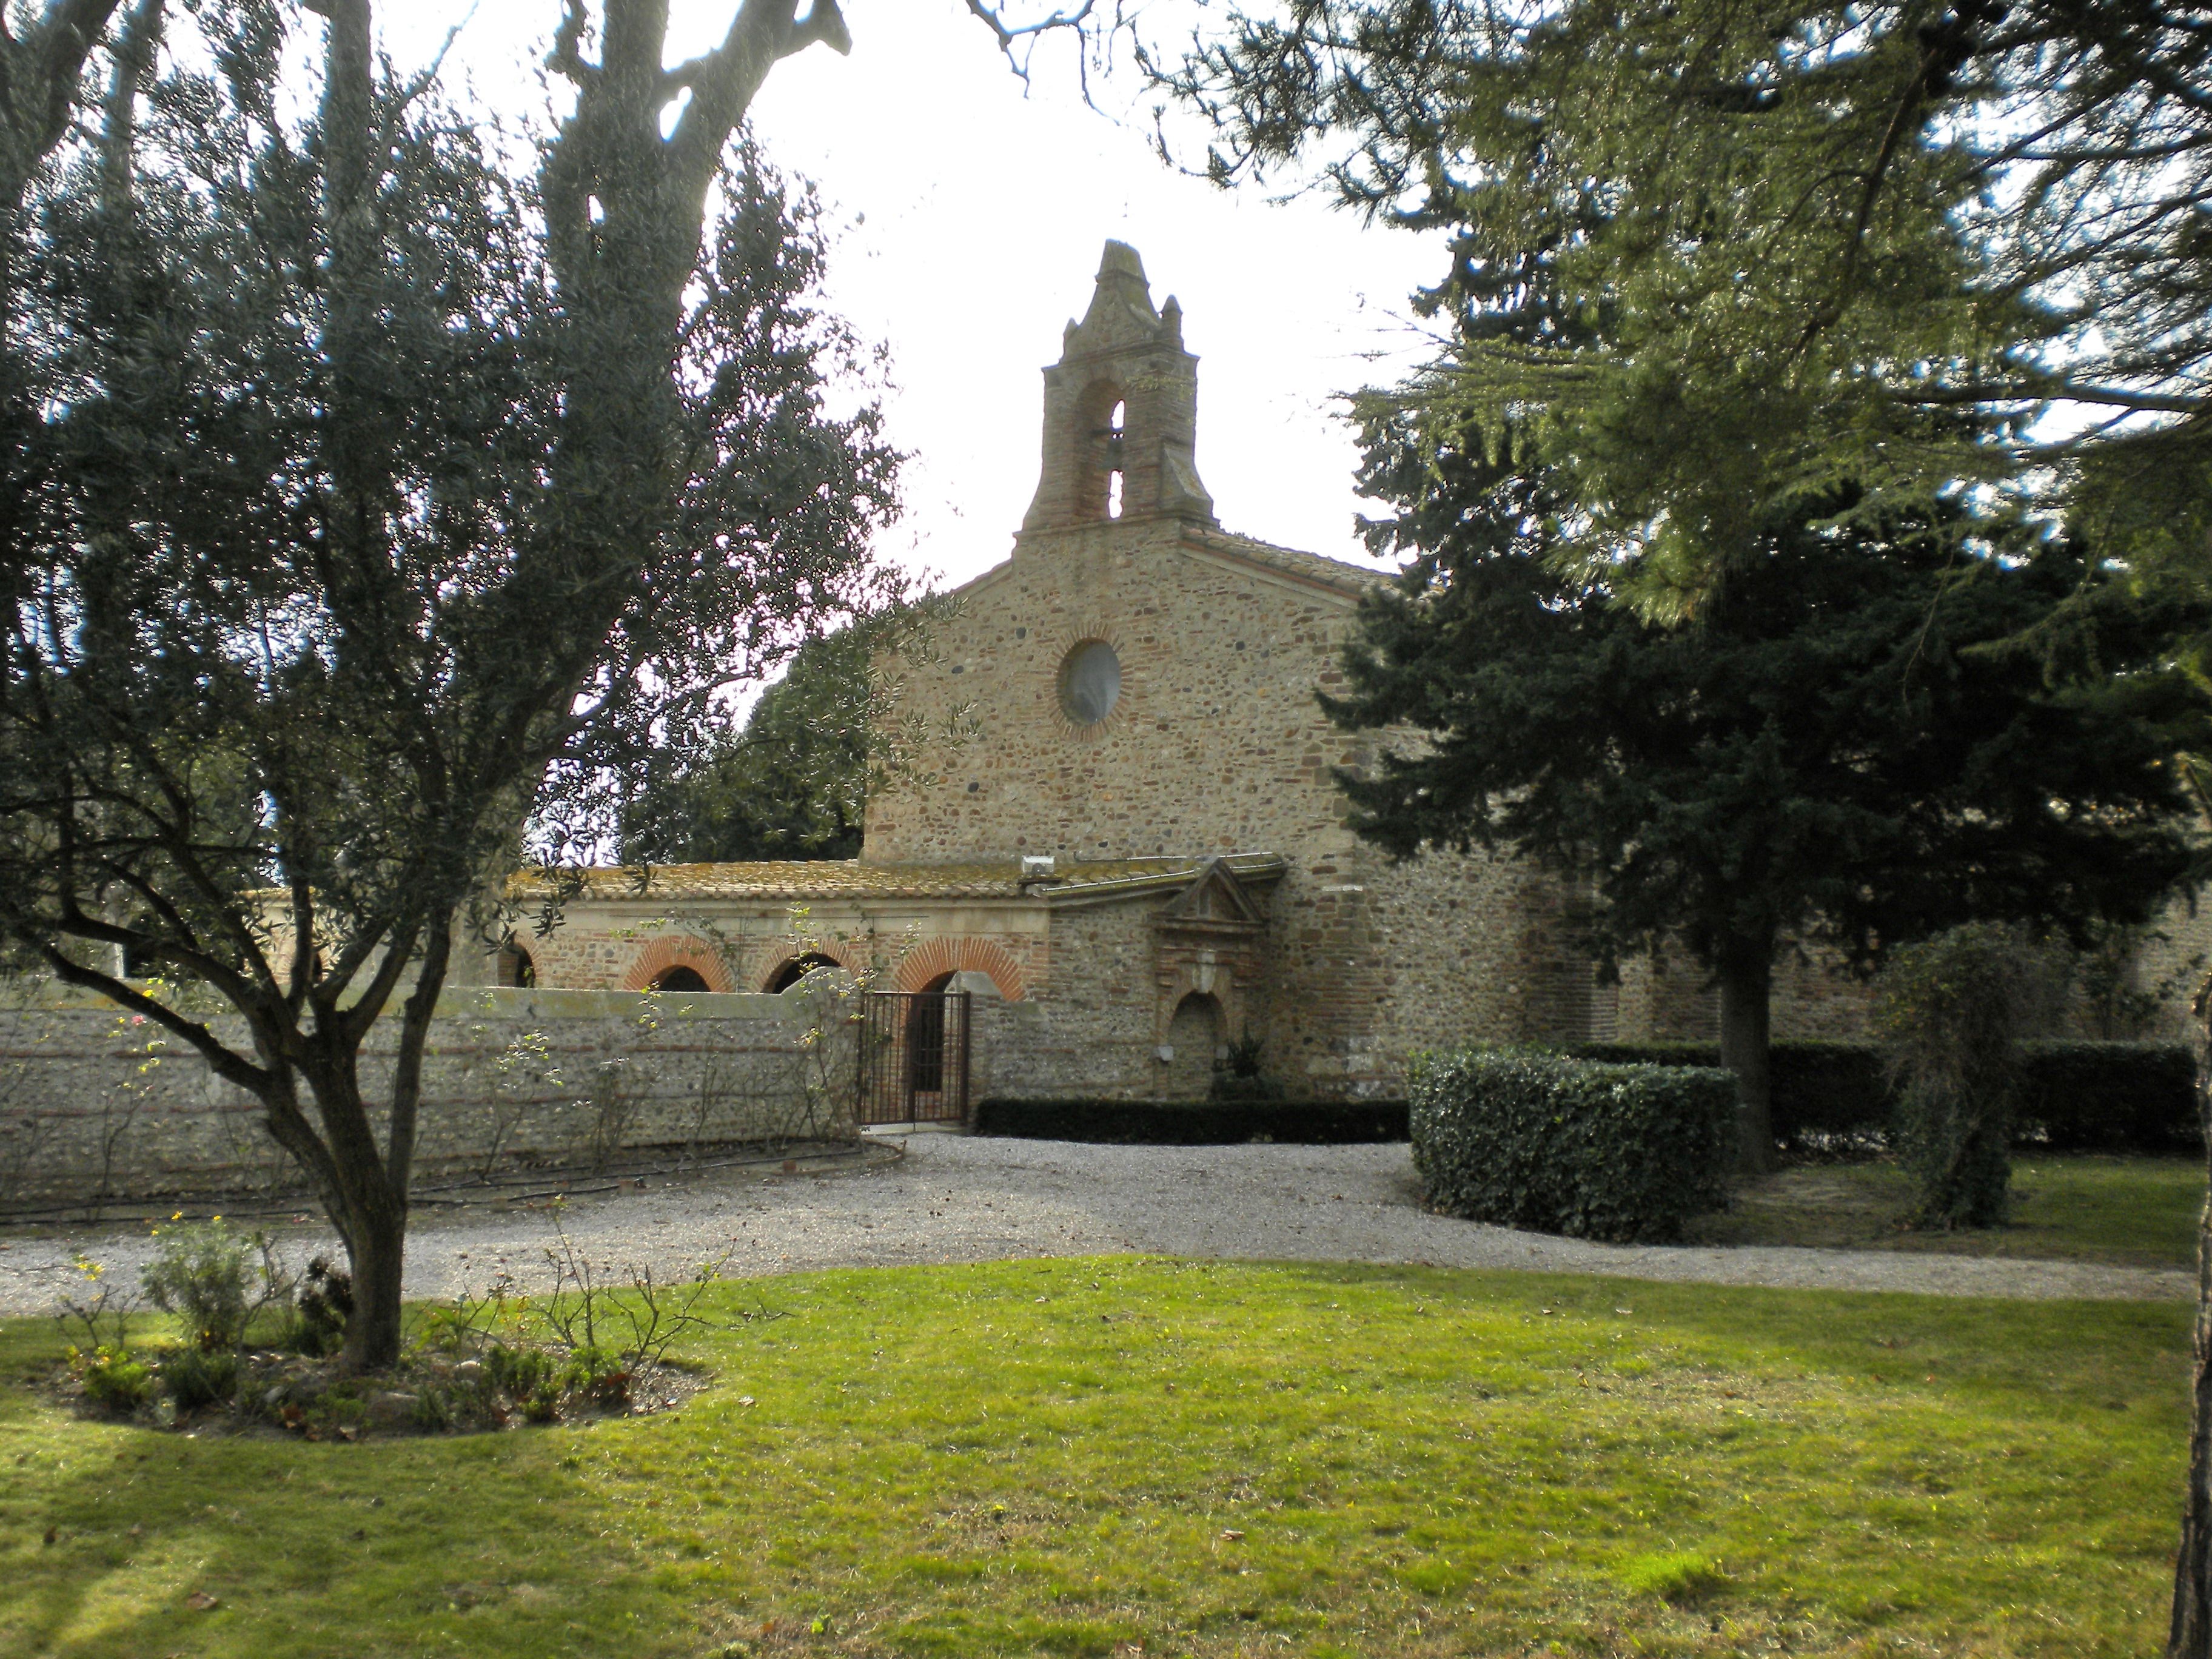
column 972, row 217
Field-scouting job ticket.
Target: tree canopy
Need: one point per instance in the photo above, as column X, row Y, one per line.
column 1846, row 746
column 790, row 783
column 365, row 482
column 1811, row 230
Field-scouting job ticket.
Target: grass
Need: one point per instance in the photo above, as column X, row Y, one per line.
column 1089, row 1458
column 2126, row 1212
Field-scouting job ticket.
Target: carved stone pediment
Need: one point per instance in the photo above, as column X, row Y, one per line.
column 1215, row 901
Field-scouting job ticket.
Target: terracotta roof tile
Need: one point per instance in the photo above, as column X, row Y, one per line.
column 828, row 879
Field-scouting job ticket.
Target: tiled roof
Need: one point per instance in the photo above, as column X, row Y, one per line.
column 834, row 879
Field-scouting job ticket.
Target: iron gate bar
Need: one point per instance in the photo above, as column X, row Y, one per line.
column 914, row 1061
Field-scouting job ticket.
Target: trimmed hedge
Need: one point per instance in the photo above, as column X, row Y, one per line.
column 2076, row 1096
column 1207, row 1123
column 1528, row 1139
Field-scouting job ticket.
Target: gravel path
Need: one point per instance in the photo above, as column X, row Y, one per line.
column 953, row 1198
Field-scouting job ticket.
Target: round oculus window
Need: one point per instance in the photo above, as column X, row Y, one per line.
column 1090, row 683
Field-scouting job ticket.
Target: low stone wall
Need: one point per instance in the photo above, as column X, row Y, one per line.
column 96, row 1105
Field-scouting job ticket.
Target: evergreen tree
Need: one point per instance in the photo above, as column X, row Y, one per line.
column 1847, row 746
column 791, row 784
column 1822, row 223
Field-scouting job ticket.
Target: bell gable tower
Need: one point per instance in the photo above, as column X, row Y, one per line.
column 1121, row 411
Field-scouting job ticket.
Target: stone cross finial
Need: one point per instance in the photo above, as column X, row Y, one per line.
column 1121, row 410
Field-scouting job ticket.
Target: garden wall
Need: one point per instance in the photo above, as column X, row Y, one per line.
column 96, row 1105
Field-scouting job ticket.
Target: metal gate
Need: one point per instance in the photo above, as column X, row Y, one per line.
column 914, row 1057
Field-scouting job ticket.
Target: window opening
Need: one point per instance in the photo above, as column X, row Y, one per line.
column 1090, row 683
column 1114, row 460
column 680, row 978
column 515, row 968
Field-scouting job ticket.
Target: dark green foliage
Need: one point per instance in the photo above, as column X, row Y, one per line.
column 1241, row 1074
column 1951, row 1010
column 320, row 1311
column 1215, row 1123
column 2074, row 1097
column 214, row 1280
column 792, row 784
column 1838, row 747
column 114, row 1382
column 1526, row 1138
column 2109, row 1098
column 1824, row 230
column 1820, row 1090
column 194, row 1378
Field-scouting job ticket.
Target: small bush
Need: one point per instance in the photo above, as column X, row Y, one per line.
column 1951, row 1009
column 193, row 1378
column 214, row 1280
column 325, row 1304
column 1214, row 1123
column 598, row 1372
column 1241, row 1076
column 113, row 1381
column 1526, row 1138
column 519, row 1373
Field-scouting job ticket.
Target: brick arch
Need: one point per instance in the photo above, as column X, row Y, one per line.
column 933, row 957
column 657, row 956
column 784, row 959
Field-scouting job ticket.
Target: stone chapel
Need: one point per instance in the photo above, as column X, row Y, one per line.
column 1141, row 857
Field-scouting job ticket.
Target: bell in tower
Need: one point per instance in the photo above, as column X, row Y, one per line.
column 1121, row 410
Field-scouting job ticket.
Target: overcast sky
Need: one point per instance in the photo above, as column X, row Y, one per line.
column 970, row 218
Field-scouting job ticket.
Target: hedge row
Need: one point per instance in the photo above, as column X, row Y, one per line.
column 1208, row 1123
column 1522, row 1137
column 2079, row 1096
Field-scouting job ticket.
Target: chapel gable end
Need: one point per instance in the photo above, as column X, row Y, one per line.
column 1121, row 410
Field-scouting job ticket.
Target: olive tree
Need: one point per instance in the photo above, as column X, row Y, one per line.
column 366, row 481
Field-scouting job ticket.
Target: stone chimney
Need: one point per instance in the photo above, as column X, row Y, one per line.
column 1121, row 410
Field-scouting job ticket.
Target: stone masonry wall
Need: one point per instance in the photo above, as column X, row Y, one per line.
column 95, row 1104
column 1216, row 744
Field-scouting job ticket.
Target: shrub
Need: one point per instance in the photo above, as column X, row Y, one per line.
column 519, row 1373
column 1214, row 1123
column 1525, row 1138
column 1951, row 1010
column 2110, row 1098
column 113, row 1381
column 1240, row 1075
column 2075, row 1097
column 325, row 1304
column 194, row 1377
column 214, row 1280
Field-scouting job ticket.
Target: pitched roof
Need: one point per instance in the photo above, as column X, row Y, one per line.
column 836, row 878
column 1350, row 580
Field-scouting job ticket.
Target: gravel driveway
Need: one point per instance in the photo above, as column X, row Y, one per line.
column 956, row 1198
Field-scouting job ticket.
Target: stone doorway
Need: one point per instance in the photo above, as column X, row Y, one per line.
column 1194, row 1039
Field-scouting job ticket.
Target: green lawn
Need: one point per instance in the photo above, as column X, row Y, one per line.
column 1187, row 1458
column 2130, row 1212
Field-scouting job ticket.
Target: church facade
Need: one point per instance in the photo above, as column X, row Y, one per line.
column 1141, row 859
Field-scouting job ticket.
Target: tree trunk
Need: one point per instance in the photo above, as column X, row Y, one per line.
column 2189, row 1636
column 1746, row 971
column 376, row 1249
